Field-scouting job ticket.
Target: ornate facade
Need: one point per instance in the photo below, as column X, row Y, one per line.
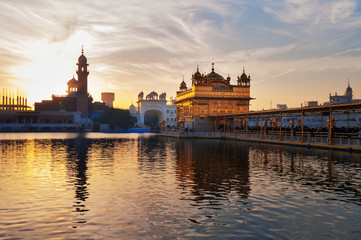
column 154, row 109
column 211, row 95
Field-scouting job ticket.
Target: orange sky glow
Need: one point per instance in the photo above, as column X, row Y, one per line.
column 294, row 51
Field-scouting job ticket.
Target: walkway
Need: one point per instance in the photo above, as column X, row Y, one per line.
column 342, row 142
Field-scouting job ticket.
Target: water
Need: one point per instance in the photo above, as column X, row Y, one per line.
column 130, row 186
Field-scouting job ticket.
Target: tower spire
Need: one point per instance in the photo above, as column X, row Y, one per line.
column 82, row 49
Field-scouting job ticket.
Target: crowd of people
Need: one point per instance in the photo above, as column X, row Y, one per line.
column 355, row 131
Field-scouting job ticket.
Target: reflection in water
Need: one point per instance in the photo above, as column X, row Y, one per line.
column 150, row 187
column 213, row 174
column 320, row 170
column 213, row 169
column 77, row 157
column 152, row 153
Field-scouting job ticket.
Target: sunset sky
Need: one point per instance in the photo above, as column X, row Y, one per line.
column 294, row 50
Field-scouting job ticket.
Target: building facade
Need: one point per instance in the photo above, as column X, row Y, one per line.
column 154, row 109
column 346, row 98
column 342, row 119
column 211, row 95
column 108, row 98
column 15, row 121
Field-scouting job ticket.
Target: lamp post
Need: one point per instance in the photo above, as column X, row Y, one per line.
column 280, row 126
column 261, row 128
column 300, row 124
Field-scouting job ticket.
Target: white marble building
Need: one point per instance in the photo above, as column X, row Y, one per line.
column 153, row 109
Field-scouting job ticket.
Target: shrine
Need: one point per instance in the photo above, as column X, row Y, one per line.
column 211, row 95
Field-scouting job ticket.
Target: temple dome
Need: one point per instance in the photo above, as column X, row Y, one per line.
column 154, row 93
column 197, row 74
column 132, row 108
column 82, row 59
column 73, row 82
column 183, row 84
column 244, row 76
column 213, row 76
column 348, row 89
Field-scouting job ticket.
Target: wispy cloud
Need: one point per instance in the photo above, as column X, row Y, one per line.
column 311, row 11
column 136, row 45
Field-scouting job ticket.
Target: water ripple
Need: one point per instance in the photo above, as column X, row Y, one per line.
column 106, row 186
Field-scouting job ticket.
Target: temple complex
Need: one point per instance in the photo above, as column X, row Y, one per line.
column 211, row 95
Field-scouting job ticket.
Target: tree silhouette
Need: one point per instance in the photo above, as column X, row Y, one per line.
column 116, row 118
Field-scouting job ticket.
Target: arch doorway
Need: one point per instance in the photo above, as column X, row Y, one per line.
column 152, row 119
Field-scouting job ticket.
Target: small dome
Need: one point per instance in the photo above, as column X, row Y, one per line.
column 348, row 90
column 244, row 76
column 197, row 74
column 73, row 82
column 132, row 108
column 197, row 77
column 82, row 59
column 183, row 84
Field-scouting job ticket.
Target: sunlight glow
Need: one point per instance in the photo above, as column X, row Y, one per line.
column 284, row 45
column 50, row 66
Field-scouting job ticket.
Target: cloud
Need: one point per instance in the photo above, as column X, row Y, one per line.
column 262, row 53
column 136, row 45
column 311, row 11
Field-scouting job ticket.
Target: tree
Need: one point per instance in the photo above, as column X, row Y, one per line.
column 116, row 118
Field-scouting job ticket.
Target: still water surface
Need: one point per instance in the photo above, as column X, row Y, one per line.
column 131, row 186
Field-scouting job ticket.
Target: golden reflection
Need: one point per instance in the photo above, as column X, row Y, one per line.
column 76, row 163
column 330, row 167
column 76, row 186
column 212, row 167
column 151, row 153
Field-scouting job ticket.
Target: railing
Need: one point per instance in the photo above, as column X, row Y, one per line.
column 341, row 139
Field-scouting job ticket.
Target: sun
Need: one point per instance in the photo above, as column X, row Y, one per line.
column 48, row 66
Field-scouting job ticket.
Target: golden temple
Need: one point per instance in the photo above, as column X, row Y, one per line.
column 211, row 95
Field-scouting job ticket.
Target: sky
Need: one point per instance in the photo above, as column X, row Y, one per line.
column 294, row 50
